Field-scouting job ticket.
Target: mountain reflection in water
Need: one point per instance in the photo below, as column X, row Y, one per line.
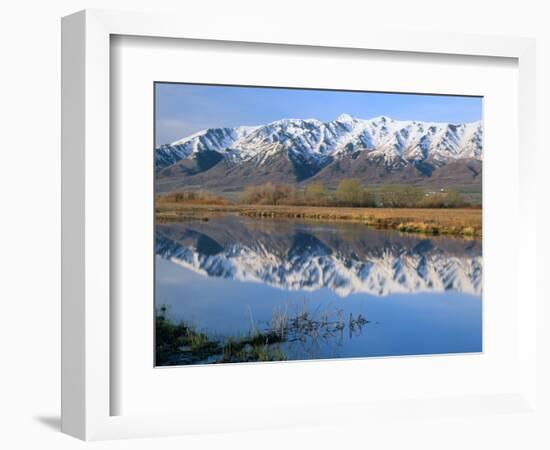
column 244, row 289
column 345, row 258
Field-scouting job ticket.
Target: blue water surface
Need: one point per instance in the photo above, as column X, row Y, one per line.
column 419, row 295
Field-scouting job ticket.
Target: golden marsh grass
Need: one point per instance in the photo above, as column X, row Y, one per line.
column 452, row 221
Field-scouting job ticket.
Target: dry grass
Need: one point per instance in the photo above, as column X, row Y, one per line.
column 463, row 222
column 192, row 198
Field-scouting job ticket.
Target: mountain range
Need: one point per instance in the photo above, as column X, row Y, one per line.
column 298, row 151
column 293, row 256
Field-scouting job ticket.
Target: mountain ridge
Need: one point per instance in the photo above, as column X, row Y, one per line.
column 388, row 150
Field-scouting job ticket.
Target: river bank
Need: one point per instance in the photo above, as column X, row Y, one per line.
column 457, row 222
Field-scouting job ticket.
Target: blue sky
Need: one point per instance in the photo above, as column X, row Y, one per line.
column 182, row 109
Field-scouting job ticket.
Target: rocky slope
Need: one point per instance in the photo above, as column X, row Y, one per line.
column 377, row 150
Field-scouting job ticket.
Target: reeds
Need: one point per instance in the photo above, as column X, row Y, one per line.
column 179, row 343
column 454, row 222
column 313, row 325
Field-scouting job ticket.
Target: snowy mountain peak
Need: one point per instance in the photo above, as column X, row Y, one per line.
column 384, row 119
column 311, row 145
column 345, row 118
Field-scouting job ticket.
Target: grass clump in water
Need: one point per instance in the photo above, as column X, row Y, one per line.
column 180, row 343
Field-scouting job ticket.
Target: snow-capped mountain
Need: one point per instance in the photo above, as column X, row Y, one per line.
column 301, row 149
column 220, row 140
column 308, row 260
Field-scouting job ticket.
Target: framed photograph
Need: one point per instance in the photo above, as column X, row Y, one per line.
column 315, row 238
column 258, row 222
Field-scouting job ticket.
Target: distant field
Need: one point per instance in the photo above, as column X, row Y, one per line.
column 462, row 222
column 470, row 193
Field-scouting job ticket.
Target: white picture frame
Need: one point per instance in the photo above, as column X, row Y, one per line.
column 86, row 223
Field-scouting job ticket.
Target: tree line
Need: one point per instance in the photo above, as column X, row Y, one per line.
column 352, row 193
column 202, row 197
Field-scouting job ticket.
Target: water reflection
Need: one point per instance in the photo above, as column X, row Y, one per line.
column 345, row 258
column 242, row 289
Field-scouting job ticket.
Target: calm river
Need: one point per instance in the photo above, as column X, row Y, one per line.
column 333, row 290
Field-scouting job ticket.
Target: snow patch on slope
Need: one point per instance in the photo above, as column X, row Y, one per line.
column 316, row 140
